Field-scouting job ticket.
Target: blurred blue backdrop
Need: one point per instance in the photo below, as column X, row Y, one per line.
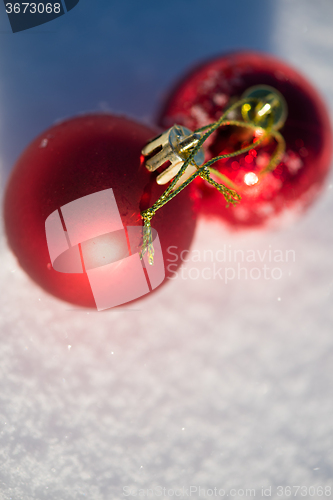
column 119, row 56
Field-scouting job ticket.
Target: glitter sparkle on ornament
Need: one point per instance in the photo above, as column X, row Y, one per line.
column 250, row 179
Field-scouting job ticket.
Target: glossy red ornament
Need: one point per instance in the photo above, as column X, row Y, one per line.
column 73, row 159
column 202, row 96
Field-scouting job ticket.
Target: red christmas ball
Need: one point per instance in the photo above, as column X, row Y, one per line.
column 201, row 98
column 89, row 155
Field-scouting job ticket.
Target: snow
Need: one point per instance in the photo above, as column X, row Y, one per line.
column 204, row 383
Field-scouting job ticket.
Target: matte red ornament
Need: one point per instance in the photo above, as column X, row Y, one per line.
column 201, row 98
column 73, row 159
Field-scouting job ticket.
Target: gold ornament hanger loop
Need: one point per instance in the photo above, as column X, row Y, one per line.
column 263, row 110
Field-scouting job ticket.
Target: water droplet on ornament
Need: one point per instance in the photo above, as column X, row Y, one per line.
column 44, row 143
column 250, row 178
column 259, row 132
column 293, row 161
column 220, row 99
column 262, row 159
column 303, row 152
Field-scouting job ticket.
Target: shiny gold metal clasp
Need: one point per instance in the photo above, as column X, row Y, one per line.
column 173, row 146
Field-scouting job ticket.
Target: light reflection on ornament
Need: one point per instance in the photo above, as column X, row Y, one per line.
column 259, row 132
column 250, row 179
column 264, row 110
column 105, row 249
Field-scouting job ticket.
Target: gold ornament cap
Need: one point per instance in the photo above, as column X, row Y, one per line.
column 173, row 146
column 271, row 109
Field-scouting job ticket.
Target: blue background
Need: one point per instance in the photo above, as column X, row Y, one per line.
column 119, row 56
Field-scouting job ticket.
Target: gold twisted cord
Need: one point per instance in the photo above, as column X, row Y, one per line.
column 204, row 171
column 278, row 153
